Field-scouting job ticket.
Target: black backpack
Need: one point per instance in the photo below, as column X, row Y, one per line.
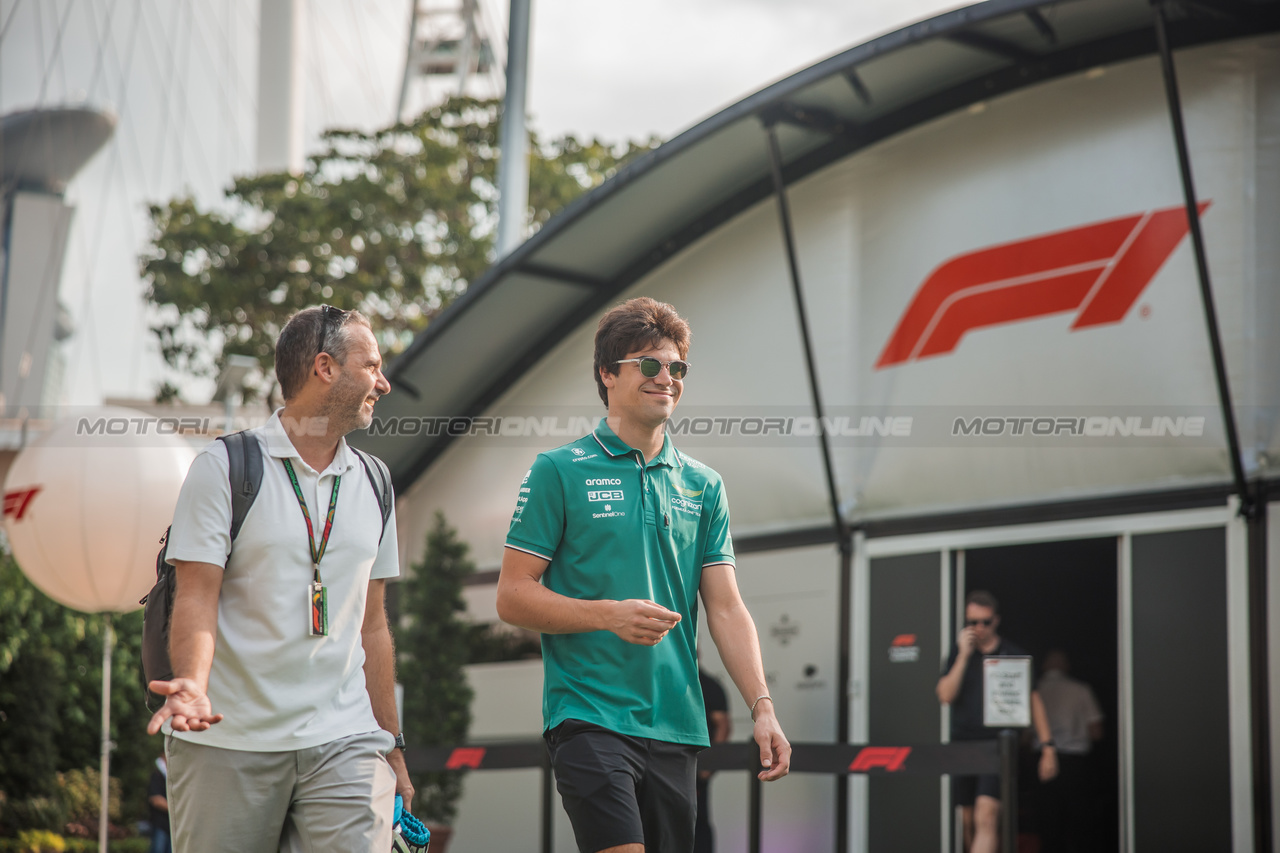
column 244, row 456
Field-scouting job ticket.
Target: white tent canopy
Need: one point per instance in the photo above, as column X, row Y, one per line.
column 931, row 172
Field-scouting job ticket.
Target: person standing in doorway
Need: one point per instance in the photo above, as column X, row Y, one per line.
column 285, row 629
column 1075, row 719
column 613, row 539
column 960, row 686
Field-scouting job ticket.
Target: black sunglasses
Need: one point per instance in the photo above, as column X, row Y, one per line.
column 651, row 367
column 327, row 311
column 985, row 623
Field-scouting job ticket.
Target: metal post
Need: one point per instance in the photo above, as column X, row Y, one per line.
column 843, row 536
column 1251, row 509
column 844, row 677
column 108, row 640
column 1008, row 789
column 1260, row 678
column 513, row 168
column 788, row 239
column 467, row 48
column 753, row 810
column 281, row 97
column 548, row 806
column 1202, row 263
column 409, row 50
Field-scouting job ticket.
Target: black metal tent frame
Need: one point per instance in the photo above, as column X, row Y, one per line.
column 806, row 122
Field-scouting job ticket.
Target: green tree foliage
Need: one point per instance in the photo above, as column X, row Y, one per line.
column 433, row 644
column 51, row 699
column 396, row 223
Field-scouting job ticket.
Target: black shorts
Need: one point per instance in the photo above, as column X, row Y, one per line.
column 619, row 789
column 966, row 789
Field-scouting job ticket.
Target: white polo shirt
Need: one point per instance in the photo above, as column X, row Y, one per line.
column 278, row 687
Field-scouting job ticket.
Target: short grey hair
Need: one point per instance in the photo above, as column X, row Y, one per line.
column 299, row 344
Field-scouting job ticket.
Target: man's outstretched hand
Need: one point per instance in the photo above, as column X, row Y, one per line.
column 187, row 707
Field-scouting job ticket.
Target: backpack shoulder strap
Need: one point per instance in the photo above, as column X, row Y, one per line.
column 380, row 479
column 244, row 456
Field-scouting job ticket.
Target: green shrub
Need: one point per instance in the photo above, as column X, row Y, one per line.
column 434, row 646
column 84, row 845
column 40, row 841
column 137, row 844
column 35, row 813
column 81, row 793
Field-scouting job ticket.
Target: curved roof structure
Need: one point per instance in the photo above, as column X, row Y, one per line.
column 666, row 200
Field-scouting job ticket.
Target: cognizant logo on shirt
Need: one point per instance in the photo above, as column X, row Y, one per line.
column 686, row 505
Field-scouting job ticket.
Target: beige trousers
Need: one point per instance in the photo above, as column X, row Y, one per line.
column 334, row 798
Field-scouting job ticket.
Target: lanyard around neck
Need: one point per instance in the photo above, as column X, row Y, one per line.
column 316, row 552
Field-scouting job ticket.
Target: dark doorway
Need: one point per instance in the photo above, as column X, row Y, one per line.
column 1063, row 595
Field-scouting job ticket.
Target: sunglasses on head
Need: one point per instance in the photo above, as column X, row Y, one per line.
column 985, row 623
column 651, row 367
column 326, row 312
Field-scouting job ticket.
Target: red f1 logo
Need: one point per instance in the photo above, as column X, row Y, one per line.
column 1099, row 270
column 465, row 756
column 891, row 758
column 17, row 501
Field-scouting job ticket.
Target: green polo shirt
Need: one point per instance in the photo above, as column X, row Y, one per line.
column 615, row 528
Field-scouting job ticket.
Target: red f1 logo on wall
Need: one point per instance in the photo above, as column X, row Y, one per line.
column 1099, row 270
column 17, row 501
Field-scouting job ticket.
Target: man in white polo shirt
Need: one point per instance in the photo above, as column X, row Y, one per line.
column 281, row 719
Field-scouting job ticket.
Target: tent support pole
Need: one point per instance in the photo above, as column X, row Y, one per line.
column 843, row 535
column 1253, row 510
column 1202, row 262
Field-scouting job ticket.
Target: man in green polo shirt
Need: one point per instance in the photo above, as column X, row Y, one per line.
column 614, row 537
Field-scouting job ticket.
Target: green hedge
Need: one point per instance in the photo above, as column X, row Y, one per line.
column 84, row 845
column 122, row 845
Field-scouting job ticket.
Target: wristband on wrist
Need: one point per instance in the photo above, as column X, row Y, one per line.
column 1049, row 742
column 752, row 712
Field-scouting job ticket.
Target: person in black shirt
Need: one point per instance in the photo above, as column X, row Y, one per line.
column 961, row 687
column 158, row 808
column 713, row 696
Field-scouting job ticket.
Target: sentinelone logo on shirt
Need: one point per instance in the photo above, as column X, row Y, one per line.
column 1099, row 270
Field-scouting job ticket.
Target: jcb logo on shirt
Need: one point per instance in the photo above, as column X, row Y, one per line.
column 615, row 495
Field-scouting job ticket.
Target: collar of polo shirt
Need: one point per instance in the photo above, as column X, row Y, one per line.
column 280, row 447
column 615, row 446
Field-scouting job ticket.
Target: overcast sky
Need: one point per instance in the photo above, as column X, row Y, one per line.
column 181, row 76
column 606, row 68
